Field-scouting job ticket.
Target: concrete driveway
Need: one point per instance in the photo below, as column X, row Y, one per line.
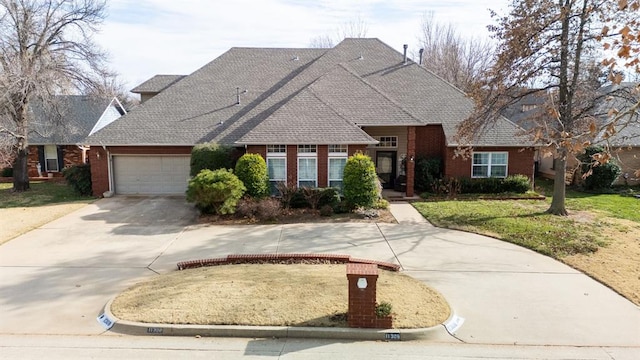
column 56, row 279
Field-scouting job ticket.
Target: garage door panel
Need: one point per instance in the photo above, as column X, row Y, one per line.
column 150, row 174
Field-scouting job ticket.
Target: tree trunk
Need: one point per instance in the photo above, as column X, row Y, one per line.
column 20, row 173
column 557, row 203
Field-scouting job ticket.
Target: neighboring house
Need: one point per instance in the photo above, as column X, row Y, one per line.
column 57, row 134
column 625, row 143
column 305, row 111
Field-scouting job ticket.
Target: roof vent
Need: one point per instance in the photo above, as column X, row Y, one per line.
column 421, row 51
column 405, row 46
column 295, row 58
column 360, row 57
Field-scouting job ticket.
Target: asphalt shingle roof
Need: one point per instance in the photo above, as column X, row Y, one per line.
column 157, row 83
column 358, row 82
column 69, row 122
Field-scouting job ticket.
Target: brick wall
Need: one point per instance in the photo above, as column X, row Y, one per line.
column 99, row 170
column 355, row 148
column 258, row 149
column 430, row 141
column 323, row 165
column 520, row 162
column 292, row 165
column 411, row 154
column 149, row 150
column 71, row 155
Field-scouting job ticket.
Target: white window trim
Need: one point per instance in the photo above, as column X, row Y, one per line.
column 55, row 153
column 386, row 136
column 489, row 165
column 334, row 157
column 278, row 155
column 308, row 157
column 339, row 154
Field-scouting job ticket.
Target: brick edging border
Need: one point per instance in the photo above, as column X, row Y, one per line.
column 283, row 258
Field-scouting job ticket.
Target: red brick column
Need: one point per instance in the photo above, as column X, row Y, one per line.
column 292, row 165
column 411, row 156
column 362, row 302
column 323, row 166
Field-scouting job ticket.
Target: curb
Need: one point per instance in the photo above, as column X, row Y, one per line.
column 140, row 329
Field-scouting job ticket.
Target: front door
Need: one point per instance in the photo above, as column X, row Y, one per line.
column 386, row 168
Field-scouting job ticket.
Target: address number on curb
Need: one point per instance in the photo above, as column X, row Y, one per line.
column 105, row 321
column 392, row 336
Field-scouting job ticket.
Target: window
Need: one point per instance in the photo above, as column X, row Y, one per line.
column 336, row 171
column 489, row 164
column 387, row 141
column 276, row 166
column 277, row 149
column 528, row 107
column 306, row 149
column 51, row 158
column 307, row 166
column 307, row 172
column 337, row 149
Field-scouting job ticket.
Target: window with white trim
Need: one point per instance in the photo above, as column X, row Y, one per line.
column 337, row 160
column 307, row 166
column 489, row 164
column 276, row 166
column 51, row 158
column 386, row 141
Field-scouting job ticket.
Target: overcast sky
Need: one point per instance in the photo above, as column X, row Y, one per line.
column 149, row 37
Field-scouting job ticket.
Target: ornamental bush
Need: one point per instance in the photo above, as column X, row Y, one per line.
column 360, row 181
column 211, row 156
column 602, row 175
column 518, row 184
column 427, row 170
column 215, row 191
column 79, row 178
column 251, row 169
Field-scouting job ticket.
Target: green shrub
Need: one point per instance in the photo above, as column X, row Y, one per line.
column 427, row 170
column 211, row 156
column 518, row 184
column 79, row 178
column 449, row 186
column 215, row 192
column 297, row 199
column 381, row 204
column 602, row 176
column 7, row 172
column 383, row 309
column 512, row 183
column 251, row 169
column 360, row 181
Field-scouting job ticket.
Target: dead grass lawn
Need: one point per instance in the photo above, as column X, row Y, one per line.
column 272, row 294
column 618, row 263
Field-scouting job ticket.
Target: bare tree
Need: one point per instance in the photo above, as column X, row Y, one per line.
column 356, row 28
column 46, row 48
column 460, row 61
column 548, row 43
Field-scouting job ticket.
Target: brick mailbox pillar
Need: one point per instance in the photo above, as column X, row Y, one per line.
column 362, row 297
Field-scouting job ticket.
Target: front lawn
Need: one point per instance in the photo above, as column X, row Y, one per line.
column 599, row 237
column 40, row 193
column 521, row 222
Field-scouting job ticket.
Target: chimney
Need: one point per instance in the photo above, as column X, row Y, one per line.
column 421, row 51
column 405, row 46
column 237, row 96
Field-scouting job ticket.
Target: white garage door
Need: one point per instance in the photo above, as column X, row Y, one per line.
column 150, row 175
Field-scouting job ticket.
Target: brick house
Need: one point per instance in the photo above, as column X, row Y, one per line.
column 55, row 140
column 305, row 111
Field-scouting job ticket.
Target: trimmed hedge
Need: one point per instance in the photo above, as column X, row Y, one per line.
column 215, row 191
column 360, row 187
column 328, row 196
column 211, row 156
column 251, row 169
column 511, row 184
column 79, row 178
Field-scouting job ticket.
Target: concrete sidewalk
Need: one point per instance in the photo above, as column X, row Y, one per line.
column 56, row 279
column 406, row 214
